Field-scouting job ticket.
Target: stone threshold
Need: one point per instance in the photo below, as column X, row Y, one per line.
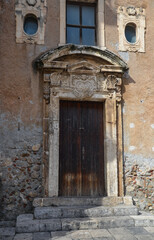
column 82, row 201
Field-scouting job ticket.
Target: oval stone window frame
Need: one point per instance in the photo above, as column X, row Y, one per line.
column 133, row 27
column 35, row 21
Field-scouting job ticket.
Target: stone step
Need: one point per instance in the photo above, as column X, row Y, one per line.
column 7, row 233
column 82, row 201
column 67, row 224
column 86, row 211
column 4, row 224
column 125, row 233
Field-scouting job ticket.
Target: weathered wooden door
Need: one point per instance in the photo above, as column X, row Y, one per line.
column 81, row 170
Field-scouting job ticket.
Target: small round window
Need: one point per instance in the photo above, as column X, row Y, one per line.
column 130, row 33
column 30, row 25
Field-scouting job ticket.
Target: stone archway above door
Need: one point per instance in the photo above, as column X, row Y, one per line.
column 82, row 73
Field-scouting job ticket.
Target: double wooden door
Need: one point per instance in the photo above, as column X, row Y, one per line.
column 81, row 154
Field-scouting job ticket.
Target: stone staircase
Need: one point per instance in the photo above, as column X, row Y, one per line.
column 59, row 215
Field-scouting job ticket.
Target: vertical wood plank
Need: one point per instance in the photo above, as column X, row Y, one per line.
column 81, row 149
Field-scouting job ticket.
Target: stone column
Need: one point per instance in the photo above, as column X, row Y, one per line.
column 111, row 148
column 120, row 151
column 53, row 146
column 62, row 22
column 100, row 30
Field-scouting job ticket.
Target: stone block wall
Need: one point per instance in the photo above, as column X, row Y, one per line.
column 139, row 182
column 21, row 172
column 20, row 161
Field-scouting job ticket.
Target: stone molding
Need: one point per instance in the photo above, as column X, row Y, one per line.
column 131, row 15
column 67, row 77
column 110, row 61
column 38, row 8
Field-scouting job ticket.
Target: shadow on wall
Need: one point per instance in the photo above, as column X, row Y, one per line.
column 127, row 80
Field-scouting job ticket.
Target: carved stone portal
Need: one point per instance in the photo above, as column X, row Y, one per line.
column 64, row 80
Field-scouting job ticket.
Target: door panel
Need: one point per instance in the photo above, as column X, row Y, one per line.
column 81, row 171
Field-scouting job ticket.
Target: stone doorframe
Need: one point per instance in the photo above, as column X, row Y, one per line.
column 82, row 73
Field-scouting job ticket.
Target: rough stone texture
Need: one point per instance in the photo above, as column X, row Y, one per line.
column 23, row 236
column 28, row 226
column 7, row 223
column 139, row 181
column 127, row 233
column 24, row 217
column 21, row 181
column 50, row 225
column 7, row 233
column 89, row 211
column 80, row 201
column 42, row 236
column 96, row 223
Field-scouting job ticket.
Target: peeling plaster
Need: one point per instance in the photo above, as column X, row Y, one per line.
column 132, row 148
column 152, row 126
column 132, row 125
column 124, row 56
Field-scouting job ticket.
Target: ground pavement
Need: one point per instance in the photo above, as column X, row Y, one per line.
column 123, row 233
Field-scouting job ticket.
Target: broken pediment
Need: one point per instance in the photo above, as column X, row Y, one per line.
column 81, row 59
column 83, row 67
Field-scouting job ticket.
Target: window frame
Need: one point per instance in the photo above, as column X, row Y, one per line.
column 100, row 31
column 82, row 4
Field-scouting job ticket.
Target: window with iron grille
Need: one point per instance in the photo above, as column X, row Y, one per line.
column 81, row 23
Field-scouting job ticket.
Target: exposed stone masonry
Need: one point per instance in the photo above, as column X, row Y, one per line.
column 140, row 184
column 21, row 181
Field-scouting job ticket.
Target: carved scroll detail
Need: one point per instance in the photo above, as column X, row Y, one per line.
column 58, row 79
column 131, row 11
column 46, row 91
column 31, row 2
column 111, row 82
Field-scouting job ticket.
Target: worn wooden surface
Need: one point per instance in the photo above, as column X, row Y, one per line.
column 81, row 149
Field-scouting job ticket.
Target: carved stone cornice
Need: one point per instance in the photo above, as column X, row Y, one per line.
column 54, row 58
column 83, row 79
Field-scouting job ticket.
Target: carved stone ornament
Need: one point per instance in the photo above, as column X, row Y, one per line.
column 83, row 86
column 136, row 16
column 46, row 91
column 37, row 8
column 131, row 11
column 111, row 82
column 59, row 79
column 31, row 2
column 55, row 79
